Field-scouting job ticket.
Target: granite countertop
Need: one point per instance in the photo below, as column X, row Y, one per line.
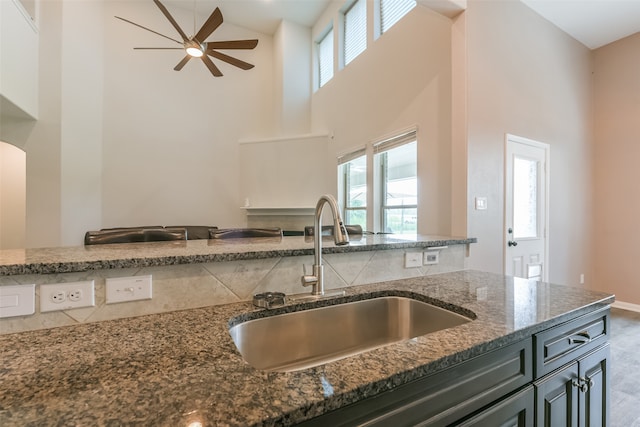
column 182, row 367
column 137, row 255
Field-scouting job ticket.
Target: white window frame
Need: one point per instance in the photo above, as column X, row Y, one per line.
column 344, row 40
column 319, row 45
column 375, row 178
column 379, row 178
column 398, row 13
column 343, row 185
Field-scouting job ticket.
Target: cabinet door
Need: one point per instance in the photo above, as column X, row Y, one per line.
column 576, row 395
column 594, row 402
column 557, row 398
column 515, row 411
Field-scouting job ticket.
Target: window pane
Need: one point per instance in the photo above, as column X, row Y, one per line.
column 356, row 217
column 525, row 198
column 392, row 10
column 325, row 58
column 357, row 183
column 401, row 220
column 355, row 30
column 401, row 176
column 354, row 191
column 400, row 189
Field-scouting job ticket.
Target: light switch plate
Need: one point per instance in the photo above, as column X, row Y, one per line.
column 123, row 289
column 412, row 259
column 481, row 203
column 17, row 300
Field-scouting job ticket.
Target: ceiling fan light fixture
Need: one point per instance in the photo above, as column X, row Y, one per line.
column 194, row 49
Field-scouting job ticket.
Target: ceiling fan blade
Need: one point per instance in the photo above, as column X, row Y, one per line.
column 211, row 66
column 158, row 48
column 230, row 60
column 213, row 22
column 145, row 28
column 170, row 18
column 182, row 63
column 233, row 44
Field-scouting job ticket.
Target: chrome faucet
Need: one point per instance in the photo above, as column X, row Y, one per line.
column 316, row 280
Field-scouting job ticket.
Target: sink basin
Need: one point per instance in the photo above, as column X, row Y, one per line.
column 303, row 339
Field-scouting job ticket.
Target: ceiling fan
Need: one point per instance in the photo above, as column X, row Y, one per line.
column 197, row 47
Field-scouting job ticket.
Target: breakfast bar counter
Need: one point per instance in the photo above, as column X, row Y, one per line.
column 153, row 254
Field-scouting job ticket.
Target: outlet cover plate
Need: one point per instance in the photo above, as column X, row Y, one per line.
column 412, row 259
column 431, row 257
column 66, row 296
column 17, row 300
column 123, row 289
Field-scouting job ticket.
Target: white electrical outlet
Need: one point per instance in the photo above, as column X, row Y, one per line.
column 65, row 296
column 431, row 257
column 122, row 289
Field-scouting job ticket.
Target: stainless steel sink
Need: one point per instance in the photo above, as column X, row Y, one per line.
column 302, row 339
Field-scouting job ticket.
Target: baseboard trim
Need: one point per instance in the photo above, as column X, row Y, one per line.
column 626, row 306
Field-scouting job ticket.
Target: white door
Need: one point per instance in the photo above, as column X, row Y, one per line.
column 526, row 208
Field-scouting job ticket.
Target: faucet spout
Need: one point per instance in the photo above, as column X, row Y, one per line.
column 340, row 236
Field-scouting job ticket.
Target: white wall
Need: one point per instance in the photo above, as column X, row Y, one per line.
column 170, row 140
column 292, row 86
column 528, row 78
column 403, row 79
column 81, row 114
column 43, row 138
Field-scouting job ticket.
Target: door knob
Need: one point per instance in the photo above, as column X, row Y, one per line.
column 512, row 243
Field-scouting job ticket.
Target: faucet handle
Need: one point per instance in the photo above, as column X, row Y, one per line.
column 309, row 280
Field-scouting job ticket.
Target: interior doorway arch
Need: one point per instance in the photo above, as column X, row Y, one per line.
column 13, row 196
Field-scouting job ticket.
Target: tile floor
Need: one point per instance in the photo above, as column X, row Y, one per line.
column 625, row 368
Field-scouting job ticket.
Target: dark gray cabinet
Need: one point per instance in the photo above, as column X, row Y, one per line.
column 557, row 398
column 572, row 362
column 513, row 411
column 557, row 377
column 575, row 395
column 443, row 398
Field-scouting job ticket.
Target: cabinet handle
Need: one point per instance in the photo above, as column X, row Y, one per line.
column 580, row 338
column 583, row 384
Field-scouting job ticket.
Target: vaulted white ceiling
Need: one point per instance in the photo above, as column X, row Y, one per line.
column 258, row 15
column 594, row 23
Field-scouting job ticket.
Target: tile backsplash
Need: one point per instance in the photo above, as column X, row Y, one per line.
column 179, row 287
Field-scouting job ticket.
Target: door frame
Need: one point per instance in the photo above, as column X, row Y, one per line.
column 510, row 138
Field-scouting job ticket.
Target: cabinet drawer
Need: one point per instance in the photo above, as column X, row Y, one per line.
column 442, row 398
column 516, row 410
column 561, row 344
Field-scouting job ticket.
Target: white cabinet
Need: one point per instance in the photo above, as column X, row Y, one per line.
column 288, row 172
column 19, row 41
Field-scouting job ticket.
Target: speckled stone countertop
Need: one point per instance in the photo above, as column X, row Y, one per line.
column 173, row 369
column 84, row 258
